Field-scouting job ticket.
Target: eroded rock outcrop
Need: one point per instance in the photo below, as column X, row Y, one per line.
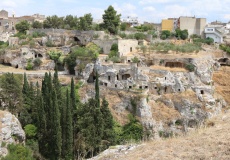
column 10, row 131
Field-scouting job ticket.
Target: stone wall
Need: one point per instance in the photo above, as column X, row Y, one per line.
column 105, row 44
column 126, row 46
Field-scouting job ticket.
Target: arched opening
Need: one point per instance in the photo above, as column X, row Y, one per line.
column 165, row 89
column 115, row 85
column 223, row 60
column 91, row 78
column 6, row 64
column 130, row 87
column 16, row 66
column 140, row 87
column 109, row 78
column 117, row 77
column 77, row 40
column 131, row 49
column 129, row 61
column 125, row 76
column 146, row 87
column 40, row 55
column 174, row 64
column 201, row 91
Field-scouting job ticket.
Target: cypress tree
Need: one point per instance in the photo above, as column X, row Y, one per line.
column 26, row 115
column 69, row 128
column 74, row 110
column 108, row 133
column 25, row 87
column 56, row 129
column 73, row 95
column 63, row 125
column 41, row 124
column 97, row 95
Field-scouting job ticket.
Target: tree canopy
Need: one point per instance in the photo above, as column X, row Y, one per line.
column 111, row 20
column 22, row 26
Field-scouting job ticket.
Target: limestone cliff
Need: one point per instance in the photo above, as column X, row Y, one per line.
column 10, row 131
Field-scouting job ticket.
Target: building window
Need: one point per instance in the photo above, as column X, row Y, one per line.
column 131, row 49
column 109, row 78
column 201, row 92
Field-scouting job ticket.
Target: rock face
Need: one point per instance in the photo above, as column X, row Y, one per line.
column 10, row 131
column 190, row 93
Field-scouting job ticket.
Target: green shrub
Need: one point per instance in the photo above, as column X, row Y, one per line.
column 18, row 152
column 32, row 43
column 122, row 35
column 190, row 67
column 165, row 34
column 115, row 59
column 37, row 62
column 114, row 47
column 20, row 35
column 49, row 43
column 29, row 66
column 38, row 34
column 24, row 43
column 54, row 55
column 95, row 36
column 113, row 54
column 133, row 130
column 135, row 60
column 139, row 36
column 31, row 131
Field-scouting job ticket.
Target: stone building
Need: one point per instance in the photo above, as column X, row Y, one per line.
column 193, row 25
column 7, row 24
column 125, row 46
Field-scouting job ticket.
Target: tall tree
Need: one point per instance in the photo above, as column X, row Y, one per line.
column 111, row 20
column 37, row 24
column 86, row 22
column 56, row 129
column 53, row 22
column 108, row 133
column 69, row 128
column 41, row 125
column 97, row 95
column 22, row 26
column 11, row 93
column 71, row 22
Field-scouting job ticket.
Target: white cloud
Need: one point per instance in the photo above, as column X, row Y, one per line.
column 125, row 9
column 153, row 1
column 227, row 17
column 149, row 9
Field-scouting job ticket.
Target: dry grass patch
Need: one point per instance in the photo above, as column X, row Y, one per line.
column 163, row 113
column 222, row 82
column 176, row 69
column 188, row 94
column 204, row 143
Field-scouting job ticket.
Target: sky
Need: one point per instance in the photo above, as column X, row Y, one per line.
column 145, row 10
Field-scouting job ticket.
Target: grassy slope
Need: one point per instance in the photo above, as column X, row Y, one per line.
column 205, row 143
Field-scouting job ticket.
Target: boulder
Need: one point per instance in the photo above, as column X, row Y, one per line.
column 10, row 131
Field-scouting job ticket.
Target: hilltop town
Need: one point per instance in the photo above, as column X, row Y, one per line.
column 170, row 77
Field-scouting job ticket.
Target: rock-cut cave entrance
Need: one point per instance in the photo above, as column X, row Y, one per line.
column 92, row 78
column 174, row 64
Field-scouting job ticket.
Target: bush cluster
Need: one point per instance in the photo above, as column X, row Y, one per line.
column 184, row 48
